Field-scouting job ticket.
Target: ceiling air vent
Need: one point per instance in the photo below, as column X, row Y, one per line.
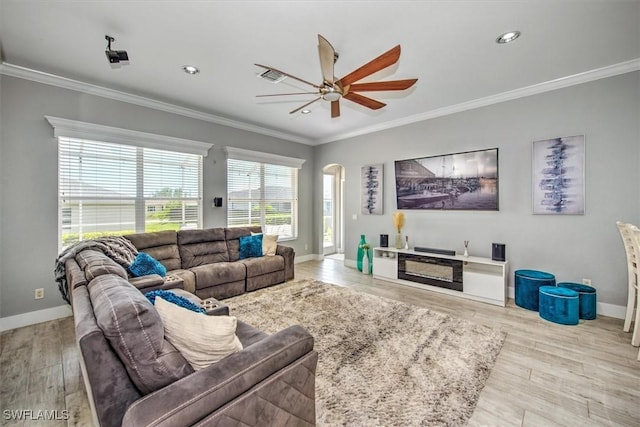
column 273, row 76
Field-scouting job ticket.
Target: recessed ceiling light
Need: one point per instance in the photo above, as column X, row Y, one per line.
column 508, row 37
column 190, row 69
column 305, row 111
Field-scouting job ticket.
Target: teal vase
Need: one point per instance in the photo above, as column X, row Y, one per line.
column 361, row 250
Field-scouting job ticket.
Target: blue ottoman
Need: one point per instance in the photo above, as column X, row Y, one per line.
column 527, row 284
column 559, row 305
column 586, row 296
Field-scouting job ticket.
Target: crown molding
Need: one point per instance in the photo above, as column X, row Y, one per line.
column 563, row 82
column 91, row 89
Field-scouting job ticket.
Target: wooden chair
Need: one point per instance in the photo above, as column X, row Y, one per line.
column 632, row 268
column 635, row 238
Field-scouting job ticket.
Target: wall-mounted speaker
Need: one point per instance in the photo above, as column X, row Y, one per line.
column 384, row 240
column 498, row 251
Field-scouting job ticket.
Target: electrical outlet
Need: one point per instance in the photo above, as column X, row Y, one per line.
column 39, row 293
column 586, row 282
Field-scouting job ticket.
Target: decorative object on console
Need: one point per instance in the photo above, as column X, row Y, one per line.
column 371, row 193
column 398, row 223
column 558, row 176
column 466, row 247
column 384, row 240
column 460, row 181
column 498, row 252
column 406, row 242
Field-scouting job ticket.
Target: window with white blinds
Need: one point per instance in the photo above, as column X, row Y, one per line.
column 263, row 194
column 114, row 189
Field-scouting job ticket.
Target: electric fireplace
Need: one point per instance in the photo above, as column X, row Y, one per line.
column 441, row 272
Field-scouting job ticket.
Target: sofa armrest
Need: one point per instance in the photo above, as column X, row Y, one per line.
column 200, row 394
column 289, row 255
column 151, row 282
column 148, row 281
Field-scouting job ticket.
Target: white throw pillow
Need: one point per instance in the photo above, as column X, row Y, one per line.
column 201, row 339
column 269, row 244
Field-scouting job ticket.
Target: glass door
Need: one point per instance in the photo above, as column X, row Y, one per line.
column 329, row 213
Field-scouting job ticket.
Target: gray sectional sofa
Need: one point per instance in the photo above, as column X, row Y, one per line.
column 135, row 377
column 208, row 261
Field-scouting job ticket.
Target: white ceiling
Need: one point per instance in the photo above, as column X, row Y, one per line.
column 448, row 45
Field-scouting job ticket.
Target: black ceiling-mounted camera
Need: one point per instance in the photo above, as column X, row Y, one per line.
column 115, row 56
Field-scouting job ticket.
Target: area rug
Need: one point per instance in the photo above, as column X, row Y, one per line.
column 381, row 362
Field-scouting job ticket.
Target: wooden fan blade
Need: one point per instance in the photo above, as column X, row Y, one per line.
column 285, row 94
column 287, row 74
column 363, row 100
column 382, row 86
column 335, row 109
column 327, row 57
column 308, row 103
column 390, row 57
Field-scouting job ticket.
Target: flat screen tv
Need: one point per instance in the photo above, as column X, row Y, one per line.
column 460, row 181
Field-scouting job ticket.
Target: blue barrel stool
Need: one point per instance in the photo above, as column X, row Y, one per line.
column 559, row 305
column 527, row 284
column 586, row 296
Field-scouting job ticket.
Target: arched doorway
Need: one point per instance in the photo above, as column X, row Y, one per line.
column 332, row 209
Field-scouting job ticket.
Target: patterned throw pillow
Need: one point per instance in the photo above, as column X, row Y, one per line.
column 250, row 246
column 146, row 264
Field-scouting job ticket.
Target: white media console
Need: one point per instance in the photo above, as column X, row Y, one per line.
column 481, row 279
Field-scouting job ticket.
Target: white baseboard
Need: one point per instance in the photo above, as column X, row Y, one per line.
column 33, row 317
column 310, row 257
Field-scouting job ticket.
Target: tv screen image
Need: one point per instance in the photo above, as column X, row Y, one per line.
column 459, row 181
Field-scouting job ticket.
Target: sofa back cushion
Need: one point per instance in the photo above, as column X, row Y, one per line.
column 161, row 245
column 94, row 263
column 136, row 333
column 200, row 247
column 233, row 235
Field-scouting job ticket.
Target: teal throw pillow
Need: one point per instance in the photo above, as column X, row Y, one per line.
column 178, row 300
column 146, row 264
column 250, row 246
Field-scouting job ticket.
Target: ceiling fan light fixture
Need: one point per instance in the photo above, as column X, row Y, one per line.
column 190, row 69
column 305, row 111
column 507, row 37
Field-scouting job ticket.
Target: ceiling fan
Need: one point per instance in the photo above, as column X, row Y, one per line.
column 332, row 89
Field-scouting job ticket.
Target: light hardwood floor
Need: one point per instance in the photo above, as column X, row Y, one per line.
column 545, row 375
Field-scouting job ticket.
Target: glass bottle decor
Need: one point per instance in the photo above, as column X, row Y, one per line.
column 366, row 263
column 361, row 250
column 399, row 243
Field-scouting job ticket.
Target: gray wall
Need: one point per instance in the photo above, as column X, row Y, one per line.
column 572, row 247
column 28, row 171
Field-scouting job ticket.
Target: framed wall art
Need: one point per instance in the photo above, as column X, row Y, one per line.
column 459, row 181
column 558, row 175
column 371, row 192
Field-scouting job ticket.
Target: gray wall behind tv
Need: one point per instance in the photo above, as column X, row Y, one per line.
column 572, row 247
column 28, row 171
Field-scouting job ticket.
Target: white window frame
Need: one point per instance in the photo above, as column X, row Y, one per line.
column 94, row 132
column 271, row 159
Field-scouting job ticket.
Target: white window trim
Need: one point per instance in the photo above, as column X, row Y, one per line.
column 259, row 157
column 84, row 130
